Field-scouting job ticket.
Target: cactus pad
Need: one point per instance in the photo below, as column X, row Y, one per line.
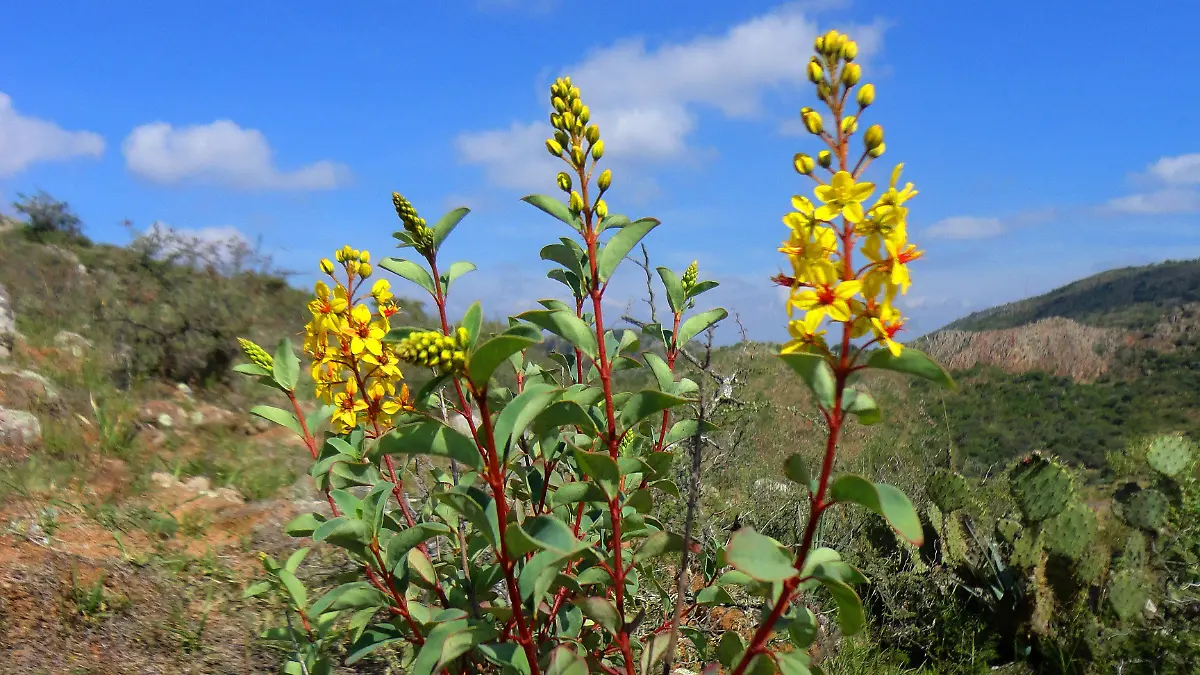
column 1071, row 531
column 1027, row 549
column 948, row 490
column 1169, row 455
column 1041, row 487
column 1146, row 509
column 1133, row 551
column 1008, row 529
column 1092, row 564
column 1128, row 593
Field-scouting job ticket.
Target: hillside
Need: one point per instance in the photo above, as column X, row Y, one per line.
column 1081, row 371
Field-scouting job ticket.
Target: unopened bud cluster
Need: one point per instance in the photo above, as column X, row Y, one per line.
column 257, row 355
column 432, row 349
column 413, row 224
column 689, row 276
column 834, row 73
column 570, row 120
column 356, row 262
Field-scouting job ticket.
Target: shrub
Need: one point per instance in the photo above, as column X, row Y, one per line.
column 535, row 547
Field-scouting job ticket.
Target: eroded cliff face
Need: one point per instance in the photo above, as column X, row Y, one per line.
column 1058, row 345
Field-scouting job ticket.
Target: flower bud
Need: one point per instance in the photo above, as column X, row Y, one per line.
column 364, row 256
column 833, row 42
column 564, row 181
column 850, row 74
column 568, row 119
column 559, row 104
column 688, row 281
column 873, row 137
column 592, row 134
column 556, row 120
column 812, row 122
column 257, row 355
column 574, row 93
column 815, row 72
column 576, row 107
column 850, row 50
column 824, row 91
column 825, row 158
column 364, row 270
column 576, row 202
column 803, row 163
column 605, row 180
column 584, row 114
column 849, row 124
column 562, row 138
column 598, row 150
column 553, row 147
column 601, row 209
column 877, row 150
column 326, row 265
column 577, row 155
column 866, row 95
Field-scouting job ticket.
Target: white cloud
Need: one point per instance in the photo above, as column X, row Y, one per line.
column 965, row 227
column 645, row 99
column 220, row 153
column 1162, row 202
column 28, row 140
column 1179, row 170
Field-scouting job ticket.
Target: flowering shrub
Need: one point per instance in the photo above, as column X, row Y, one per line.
column 536, row 535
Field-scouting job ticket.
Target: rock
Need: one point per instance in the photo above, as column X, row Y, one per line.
column 26, row 386
column 198, row 484
column 73, row 343
column 184, row 390
column 19, row 428
column 8, row 325
column 162, row 414
column 70, row 258
column 164, row 421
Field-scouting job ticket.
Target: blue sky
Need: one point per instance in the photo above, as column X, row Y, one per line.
column 1048, row 142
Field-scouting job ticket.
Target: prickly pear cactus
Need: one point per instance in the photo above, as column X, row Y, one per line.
column 1008, row 529
column 1092, row 565
column 1133, row 551
column 1027, row 549
column 1128, row 593
column 954, row 544
column 1169, row 455
column 1041, row 487
column 949, row 490
column 1146, row 509
column 1070, row 532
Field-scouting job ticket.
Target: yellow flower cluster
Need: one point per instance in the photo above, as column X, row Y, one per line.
column 825, row 281
column 353, row 368
column 415, row 225
column 432, row 349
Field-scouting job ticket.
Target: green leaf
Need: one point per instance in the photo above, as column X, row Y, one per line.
column 729, row 648
column 654, row 650
column 422, row 565
column 521, row 411
column 304, row 525
column 816, row 373
column 405, row 540
column 700, row 287
column 911, row 362
column 507, row 655
column 861, row 405
column 565, row 325
column 372, row 639
column 446, row 224
column 851, row 617
column 543, row 533
column 455, row 271
column 565, row 661
column 294, row 560
column 473, row 321
column 255, row 590
column 430, row 437
column 657, row 544
column 482, row 518
column 286, row 367
column 802, row 627
column 564, row 413
column 662, row 373
column 252, row 369
column 759, row 556
column 553, row 207
column 295, row 589
column 352, row 535
column 602, row 611
column 279, row 416
column 483, row 361
column 795, row 468
column 621, row 244
column 411, row 271
column 675, row 297
column 698, row 324
column 579, row 491
column 601, row 468
column 354, row 595
column 685, row 429
column 644, row 404
column 884, row 500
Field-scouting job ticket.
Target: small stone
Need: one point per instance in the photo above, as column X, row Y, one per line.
column 73, row 343
column 8, row 325
column 19, row 428
column 164, row 420
column 198, row 484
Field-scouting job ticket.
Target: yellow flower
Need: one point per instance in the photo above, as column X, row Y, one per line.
column 897, row 197
column 842, row 196
column 802, row 219
column 365, row 335
column 386, row 363
column 805, row 335
column 895, row 263
column 347, row 405
column 886, row 326
column 828, row 296
column 326, row 307
column 381, row 291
